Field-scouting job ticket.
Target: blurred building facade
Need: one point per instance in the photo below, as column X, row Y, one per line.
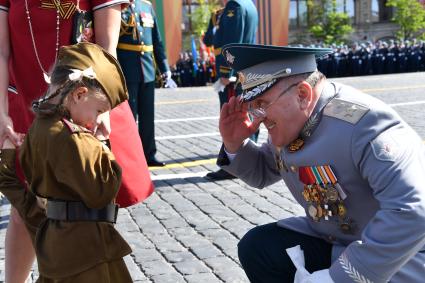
column 281, row 22
column 272, row 15
column 371, row 19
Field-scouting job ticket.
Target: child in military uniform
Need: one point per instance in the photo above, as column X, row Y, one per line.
column 64, row 163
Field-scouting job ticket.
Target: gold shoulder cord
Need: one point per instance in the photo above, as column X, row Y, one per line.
column 129, row 27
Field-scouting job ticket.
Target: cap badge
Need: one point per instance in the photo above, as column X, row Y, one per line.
column 229, row 57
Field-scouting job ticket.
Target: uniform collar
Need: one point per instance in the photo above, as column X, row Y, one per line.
column 328, row 93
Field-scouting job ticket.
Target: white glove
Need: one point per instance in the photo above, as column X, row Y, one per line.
column 302, row 275
column 218, row 86
column 232, row 79
column 297, row 257
column 320, row 276
column 169, row 82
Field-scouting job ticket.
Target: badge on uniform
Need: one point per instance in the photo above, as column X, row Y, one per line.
column 296, row 145
column 147, row 20
column 65, row 9
column 280, row 164
column 325, row 197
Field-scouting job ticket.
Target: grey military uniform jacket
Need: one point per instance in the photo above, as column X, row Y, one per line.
column 379, row 163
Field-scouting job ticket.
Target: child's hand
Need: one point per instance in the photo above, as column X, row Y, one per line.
column 7, row 144
column 104, row 127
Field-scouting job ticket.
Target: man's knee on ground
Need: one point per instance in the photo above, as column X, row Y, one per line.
column 248, row 246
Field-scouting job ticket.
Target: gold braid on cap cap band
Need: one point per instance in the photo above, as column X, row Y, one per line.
column 253, row 93
column 279, row 74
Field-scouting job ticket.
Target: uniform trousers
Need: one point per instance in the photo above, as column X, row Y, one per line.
column 141, row 100
column 263, row 257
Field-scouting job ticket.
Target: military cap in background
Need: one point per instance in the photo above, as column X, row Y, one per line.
column 259, row 67
column 107, row 71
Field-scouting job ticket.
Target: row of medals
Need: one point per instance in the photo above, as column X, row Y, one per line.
column 324, row 200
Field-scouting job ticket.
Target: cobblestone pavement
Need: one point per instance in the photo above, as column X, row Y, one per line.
column 188, row 230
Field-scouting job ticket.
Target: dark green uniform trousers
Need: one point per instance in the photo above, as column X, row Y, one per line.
column 141, row 100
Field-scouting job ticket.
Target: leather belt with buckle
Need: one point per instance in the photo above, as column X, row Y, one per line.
column 78, row 211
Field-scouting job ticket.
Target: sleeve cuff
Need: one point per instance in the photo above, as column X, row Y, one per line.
column 7, row 158
column 109, row 4
column 222, row 159
column 225, row 158
column 230, row 156
column 344, row 270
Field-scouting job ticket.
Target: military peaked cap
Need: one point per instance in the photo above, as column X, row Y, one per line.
column 259, row 67
column 105, row 68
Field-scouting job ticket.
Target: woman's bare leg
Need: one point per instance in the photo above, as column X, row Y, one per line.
column 19, row 250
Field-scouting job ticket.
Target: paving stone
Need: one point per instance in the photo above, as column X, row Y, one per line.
column 226, row 269
column 206, row 251
column 172, row 277
column 145, row 255
column 175, row 222
column 174, row 257
column 202, row 278
column 157, row 267
column 191, row 267
column 134, row 269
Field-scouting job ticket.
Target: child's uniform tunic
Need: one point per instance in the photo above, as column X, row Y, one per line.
column 62, row 161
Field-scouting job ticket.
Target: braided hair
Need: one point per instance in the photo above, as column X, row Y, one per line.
column 60, row 85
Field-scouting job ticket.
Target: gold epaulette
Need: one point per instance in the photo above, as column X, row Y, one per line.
column 216, row 15
column 129, row 27
column 225, row 70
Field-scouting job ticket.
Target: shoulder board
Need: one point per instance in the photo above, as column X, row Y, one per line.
column 345, row 110
column 74, row 128
column 218, row 11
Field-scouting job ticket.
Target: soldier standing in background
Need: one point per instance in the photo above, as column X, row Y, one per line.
column 139, row 43
column 236, row 23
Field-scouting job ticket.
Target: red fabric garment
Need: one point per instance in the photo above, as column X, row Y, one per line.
column 230, row 89
column 27, row 76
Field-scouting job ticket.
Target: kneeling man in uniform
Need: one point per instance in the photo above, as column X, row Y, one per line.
column 347, row 158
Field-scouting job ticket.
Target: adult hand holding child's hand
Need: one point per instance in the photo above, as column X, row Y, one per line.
column 7, row 144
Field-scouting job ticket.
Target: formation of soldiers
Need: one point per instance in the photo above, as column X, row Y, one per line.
column 185, row 74
column 359, row 59
column 373, row 59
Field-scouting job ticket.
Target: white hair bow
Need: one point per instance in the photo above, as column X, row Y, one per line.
column 78, row 74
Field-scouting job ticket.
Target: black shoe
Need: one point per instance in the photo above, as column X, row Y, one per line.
column 156, row 163
column 219, row 175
